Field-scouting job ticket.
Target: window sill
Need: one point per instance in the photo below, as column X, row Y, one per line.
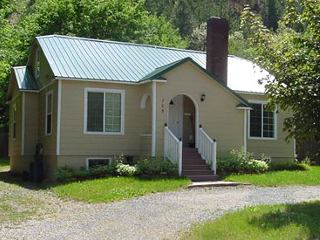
column 261, row 138
column 104, row 133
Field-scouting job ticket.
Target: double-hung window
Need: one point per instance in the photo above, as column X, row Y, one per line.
column 104, row 111
column 262, row 122
column 48, row 123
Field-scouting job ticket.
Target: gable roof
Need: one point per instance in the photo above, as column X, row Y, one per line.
column 93, row 59
column 25, row 79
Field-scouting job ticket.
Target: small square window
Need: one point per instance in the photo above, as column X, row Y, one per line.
column 95, row 162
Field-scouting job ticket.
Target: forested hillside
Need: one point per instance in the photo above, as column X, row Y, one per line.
column 176, row 23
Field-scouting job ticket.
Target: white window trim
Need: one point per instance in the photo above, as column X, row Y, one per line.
column 45, row 130
column 275, row 117
column 98, row 158
column 85, row 115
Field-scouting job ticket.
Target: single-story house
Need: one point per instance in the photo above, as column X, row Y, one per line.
column 88, row 100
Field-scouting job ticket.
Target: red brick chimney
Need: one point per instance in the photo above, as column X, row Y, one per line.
column 217, row 48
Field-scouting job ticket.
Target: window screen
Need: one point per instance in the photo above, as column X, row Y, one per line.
column 113, row 112
column 97, row 162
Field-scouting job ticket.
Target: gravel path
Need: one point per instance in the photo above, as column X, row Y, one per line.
column 156, row 216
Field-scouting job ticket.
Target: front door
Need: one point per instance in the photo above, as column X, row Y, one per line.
column 175, row 122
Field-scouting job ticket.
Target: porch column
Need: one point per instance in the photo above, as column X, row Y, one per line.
column 154, row 118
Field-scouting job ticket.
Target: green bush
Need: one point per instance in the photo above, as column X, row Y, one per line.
column 289, row 166
column 156, row 167
column 66, row 174
column 238, row 161
column 126, row 169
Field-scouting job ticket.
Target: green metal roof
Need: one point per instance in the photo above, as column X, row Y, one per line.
column 83, row 58
column 25, row 79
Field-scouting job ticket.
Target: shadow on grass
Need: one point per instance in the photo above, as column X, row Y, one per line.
column 8, row 177
column 304, row 214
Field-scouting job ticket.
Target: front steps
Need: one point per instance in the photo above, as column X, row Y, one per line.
column 194, row 167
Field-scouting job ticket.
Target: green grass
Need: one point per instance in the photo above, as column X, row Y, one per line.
column 297, row 221
column 280, row 178
column 4, row 164
column 117, row 188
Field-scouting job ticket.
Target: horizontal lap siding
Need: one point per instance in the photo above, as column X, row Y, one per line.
column 277, row 149
column 217, row 113
column 73, row 140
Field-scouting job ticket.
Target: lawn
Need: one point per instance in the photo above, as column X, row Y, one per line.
column 117, row 188
column 297, row 221
column 279, row 178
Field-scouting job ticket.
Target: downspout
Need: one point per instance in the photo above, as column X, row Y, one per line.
column 245, row 130
column 58, row 118
column 154, row 118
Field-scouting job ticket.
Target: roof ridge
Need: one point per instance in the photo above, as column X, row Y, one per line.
column 122, row 43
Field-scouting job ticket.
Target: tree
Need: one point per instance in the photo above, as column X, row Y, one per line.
column 292, row 56
column 121, row 20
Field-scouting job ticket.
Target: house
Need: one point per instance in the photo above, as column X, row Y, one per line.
column 88, row 100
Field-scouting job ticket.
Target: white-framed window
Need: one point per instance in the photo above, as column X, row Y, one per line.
column 37, row 64
column 104, row 111
column 94, row 162
column 14, row 122
column 262, row 122
column 48, row 120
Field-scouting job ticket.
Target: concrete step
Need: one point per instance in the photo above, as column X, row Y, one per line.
column 201, row 178
column 194, row 166
column 204, row 171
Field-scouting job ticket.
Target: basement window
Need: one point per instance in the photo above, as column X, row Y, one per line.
column 95, row 162
column 262, row 122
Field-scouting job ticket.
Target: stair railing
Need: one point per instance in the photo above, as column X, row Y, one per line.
column 207, row 148
column 173, row 148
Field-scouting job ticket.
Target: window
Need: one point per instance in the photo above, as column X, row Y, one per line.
column 37, row 64
column 94, row 162
column 48, row 113
column 262, row 122
column 104, row 111
column 14, row 122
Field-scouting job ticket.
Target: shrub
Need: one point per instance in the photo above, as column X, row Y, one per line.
column 238, row 161
column 156, row 167
column 289, row 166
column 65, row 174
column 126, row 169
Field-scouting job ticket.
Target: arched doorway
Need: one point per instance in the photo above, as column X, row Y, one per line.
column 182, row 119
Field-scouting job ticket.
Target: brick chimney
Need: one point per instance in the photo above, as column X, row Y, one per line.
column 217, row 48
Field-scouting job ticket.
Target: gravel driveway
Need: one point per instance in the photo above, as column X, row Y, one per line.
column 156, row 216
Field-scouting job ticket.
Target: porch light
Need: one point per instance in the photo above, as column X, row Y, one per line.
column 203, row 97
column 171, row 102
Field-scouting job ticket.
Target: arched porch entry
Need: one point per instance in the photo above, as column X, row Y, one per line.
column 183, row 119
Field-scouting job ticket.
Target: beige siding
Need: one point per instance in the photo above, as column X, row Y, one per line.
column 16, row 164
column 218, row 114
column 46, row 74
column 277, row 149
column 74, row 142
column 31, row 131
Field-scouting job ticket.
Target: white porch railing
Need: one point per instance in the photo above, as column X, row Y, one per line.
column 173, row 148
column 207, row 148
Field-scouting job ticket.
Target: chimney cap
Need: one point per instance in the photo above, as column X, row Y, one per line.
column 216, row 19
